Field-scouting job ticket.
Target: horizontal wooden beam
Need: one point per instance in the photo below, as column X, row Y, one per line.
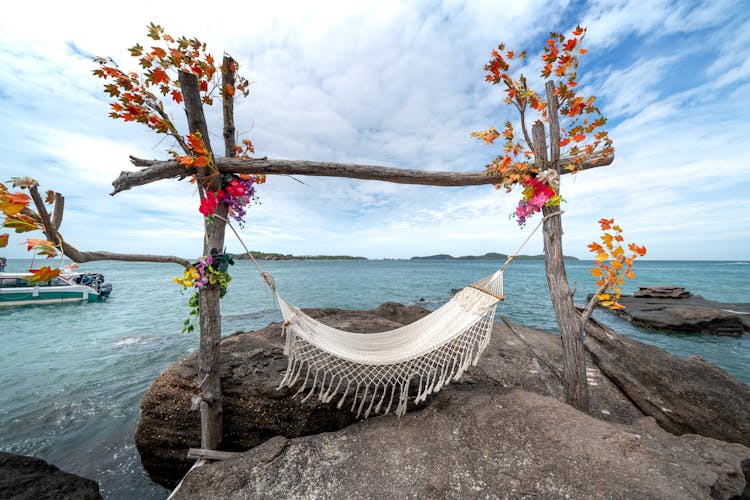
column 211, row 454
column 154, row 170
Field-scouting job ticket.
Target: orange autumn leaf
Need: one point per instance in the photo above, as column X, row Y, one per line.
column 50, row 198
column 595, row 272
column 32, row 242
column 21, row 223
column 229, row 89
column 187, row 161
column 201, row 161
column 42, row 275
column 13, row 203
column 4, row 240
column 195, row 141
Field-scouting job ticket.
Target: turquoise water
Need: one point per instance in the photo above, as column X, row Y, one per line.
column 74, row 375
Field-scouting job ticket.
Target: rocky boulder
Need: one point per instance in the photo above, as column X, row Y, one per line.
column 685, row 396
column 481, row 442
column 675, row 309
column 30, row 478
column 254, row 410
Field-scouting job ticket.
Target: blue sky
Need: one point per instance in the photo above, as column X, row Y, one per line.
column 397, row 84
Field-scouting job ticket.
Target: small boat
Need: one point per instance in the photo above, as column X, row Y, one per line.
column 67, row 287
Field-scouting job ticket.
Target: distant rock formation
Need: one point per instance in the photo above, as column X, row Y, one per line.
column 499, row 257
column 676, row 309
column 29, row 477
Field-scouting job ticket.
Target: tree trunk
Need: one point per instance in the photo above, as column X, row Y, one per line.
column 574, row 362
column 209, row 377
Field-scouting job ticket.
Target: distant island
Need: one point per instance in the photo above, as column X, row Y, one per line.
column 487, row 256
column 280, row 256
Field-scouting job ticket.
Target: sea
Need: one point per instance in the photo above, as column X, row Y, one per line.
column 74, row 374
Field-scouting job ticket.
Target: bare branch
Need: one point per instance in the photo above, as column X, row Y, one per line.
column 51, row 233
column 57, row 215
column 586, row 314
column 156, row 170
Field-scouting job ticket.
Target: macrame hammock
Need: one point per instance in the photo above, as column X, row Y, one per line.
column 378, row 369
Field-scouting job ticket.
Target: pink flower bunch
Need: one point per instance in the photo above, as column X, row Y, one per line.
column 536, row 194
column 238, row 194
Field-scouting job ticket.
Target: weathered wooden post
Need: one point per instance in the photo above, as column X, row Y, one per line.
column 574, row 361
column 209, row 378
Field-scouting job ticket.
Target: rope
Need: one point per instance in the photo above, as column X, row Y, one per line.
column 515, row 254
column 267, row 277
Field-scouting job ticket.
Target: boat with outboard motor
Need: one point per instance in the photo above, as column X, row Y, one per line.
column 69, row 286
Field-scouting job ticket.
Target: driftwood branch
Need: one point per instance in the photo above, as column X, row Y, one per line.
column 57, row 215
column 534, row 351
column 154, row 170
column 50, row 229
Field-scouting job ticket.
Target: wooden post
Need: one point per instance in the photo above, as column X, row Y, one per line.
column 227, row 106
column 574, row 362
column 209, row 377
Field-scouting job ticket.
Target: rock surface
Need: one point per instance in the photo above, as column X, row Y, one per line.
column 675, row 309
column 683, row 395
column 30, row 478
column 479, row 442
column 254, row 411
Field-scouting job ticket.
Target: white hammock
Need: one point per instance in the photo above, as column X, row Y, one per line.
column 378, row 368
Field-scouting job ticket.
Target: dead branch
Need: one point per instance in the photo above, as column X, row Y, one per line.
column 50, row 228
column 155, row 170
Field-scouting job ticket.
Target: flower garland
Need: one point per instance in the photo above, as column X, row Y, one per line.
column 213, row 270
column 237, row 192
column 538, row 192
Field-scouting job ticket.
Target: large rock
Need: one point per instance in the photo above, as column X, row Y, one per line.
column 31, row 478
column 675, row 309
column 683, row 395
column 254, row 410
column 479, row 442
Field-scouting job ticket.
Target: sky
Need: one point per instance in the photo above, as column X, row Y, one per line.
column 398, row 84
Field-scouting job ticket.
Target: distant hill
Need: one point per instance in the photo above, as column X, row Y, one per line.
column 488, row 256
column 280, row 256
